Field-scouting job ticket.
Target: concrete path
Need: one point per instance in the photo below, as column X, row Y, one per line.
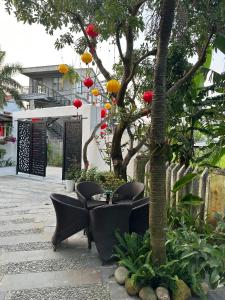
column 29, row 269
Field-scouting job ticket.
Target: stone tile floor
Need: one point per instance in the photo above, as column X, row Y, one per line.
column 29, row 269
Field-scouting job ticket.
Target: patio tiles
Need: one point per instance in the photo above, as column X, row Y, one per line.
column 29, row 269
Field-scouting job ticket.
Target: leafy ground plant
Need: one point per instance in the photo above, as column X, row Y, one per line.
column 192, row 257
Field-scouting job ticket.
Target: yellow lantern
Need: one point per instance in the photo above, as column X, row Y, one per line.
column 95, row 92
column 108, row 106
column 63, row 68
column 86, row 57
column 113, row 86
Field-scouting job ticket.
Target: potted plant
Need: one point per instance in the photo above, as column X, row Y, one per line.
column 69, row 181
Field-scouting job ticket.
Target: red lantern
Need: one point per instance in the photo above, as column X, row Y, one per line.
column 34, row 120
column 77, row 103
column 91, row 31
column 103, row 113
column 102, row 133
column 88, row 82
column 104, row 126
column 148, row 96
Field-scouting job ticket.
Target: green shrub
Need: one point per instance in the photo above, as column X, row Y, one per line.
column 107, row 180
column 192, row 257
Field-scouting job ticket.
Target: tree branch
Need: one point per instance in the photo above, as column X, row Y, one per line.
column 194, row 68
column 85, row 160
column 118, row 42
column 133, row 151
column 98, row 61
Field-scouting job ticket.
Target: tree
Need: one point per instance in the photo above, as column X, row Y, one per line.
column 196, row 26
column 8, row 86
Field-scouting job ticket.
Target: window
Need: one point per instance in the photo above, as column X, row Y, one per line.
column 56, row 84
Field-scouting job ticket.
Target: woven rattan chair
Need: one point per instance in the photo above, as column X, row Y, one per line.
column 139, row 216
column 86, row 190
column 71, row 217
column 104, row 221
column 129, row 191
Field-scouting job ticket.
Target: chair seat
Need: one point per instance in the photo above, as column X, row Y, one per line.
column 94, row 203
column 128, row 201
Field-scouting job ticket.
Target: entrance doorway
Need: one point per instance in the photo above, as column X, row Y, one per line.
column 39, row 152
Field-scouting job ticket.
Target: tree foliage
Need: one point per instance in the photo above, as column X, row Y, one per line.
column 8, row 85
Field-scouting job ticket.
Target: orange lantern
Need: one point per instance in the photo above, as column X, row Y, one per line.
column 113, row 86
column 95, row 92
column 108, row 106
column 86, row 57
column 63, row 68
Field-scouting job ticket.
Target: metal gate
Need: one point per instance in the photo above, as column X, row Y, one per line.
column 72, row 145
column 32, row 148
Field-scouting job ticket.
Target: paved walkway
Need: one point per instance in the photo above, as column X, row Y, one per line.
column 29, row 269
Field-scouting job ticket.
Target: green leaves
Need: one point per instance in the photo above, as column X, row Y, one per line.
column 183, row 181
column 220, row 42
column 192, row 200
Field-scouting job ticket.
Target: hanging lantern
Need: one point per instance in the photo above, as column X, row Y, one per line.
column 95, row 92
column 88, row 82
column 91, row 31
column 86, row 57
column 108, row 106
column 103, row 113
column 35, row 120
column 63, row 69
column 148, row 96
column 77, row 103
column 113, row 86
column 104, row 126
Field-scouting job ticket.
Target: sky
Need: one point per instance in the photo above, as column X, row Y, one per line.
column 31, row 46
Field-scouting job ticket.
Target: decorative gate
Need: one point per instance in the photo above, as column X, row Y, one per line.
column 32, row 148
column 72, row 145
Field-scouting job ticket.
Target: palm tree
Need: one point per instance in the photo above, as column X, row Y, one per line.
column 8, row 85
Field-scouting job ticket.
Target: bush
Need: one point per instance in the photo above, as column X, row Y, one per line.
column 192, row 257
column 107, row 180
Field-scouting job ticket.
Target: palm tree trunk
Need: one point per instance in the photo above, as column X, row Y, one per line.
column 158, row 216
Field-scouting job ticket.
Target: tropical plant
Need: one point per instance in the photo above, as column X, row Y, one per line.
column 192, row 257
column 8, row 85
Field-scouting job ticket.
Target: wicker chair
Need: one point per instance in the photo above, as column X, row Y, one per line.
column 129, row 191
column 104, row 220
column 71, row 217
column 85, row 190
column 139, row 216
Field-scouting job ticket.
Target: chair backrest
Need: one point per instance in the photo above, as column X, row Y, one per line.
column 105, row 220
column 87, row 189
column 139, row 216
column 63, row 199
column 129, row 191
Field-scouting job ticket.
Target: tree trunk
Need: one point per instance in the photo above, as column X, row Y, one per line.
column 158, row 216
column 116, row 152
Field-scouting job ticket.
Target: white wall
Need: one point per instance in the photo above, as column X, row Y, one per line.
column 91, row 116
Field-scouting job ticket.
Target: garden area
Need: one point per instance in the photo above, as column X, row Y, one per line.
column 157, row 207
